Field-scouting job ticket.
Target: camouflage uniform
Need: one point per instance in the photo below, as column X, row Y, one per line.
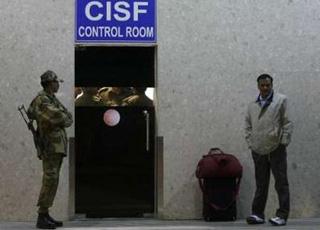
column 52, row 118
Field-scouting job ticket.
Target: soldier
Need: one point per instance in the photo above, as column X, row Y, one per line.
column 52, row 118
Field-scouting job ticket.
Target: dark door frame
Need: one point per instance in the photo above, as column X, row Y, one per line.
column 158, row 146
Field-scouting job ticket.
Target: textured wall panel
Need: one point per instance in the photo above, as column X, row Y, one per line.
column 210, row 54
column 35, row 35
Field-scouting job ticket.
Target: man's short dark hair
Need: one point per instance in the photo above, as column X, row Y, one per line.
column 264, row 76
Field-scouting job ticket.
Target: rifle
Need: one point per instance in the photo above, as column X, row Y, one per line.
column 36, row 137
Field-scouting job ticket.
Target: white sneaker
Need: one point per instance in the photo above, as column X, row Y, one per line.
column 254, row 219
column 277, row 221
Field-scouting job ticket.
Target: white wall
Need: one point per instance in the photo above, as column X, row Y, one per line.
column 210, row 54
column 35, row 35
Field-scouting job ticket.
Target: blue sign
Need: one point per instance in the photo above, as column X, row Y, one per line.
column 115, row 21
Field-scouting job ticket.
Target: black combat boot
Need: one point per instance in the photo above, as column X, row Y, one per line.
column 56, row 222
column 44, row 223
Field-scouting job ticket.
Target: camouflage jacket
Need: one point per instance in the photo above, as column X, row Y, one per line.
column 52, row 118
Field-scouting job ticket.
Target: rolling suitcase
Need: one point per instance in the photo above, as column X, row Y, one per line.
column 219, row 177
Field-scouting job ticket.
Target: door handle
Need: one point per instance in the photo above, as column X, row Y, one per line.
column 147, row 119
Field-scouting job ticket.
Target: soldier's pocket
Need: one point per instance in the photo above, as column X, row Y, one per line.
column 55, row 137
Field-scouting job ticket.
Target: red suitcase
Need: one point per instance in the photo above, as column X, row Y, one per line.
column 219, row 177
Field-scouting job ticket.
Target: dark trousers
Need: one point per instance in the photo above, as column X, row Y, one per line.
column 277, row 162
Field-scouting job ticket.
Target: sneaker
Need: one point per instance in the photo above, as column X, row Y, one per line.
column 254, row 219
column 277, row 221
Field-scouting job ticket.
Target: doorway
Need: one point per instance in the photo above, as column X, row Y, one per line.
column 114, row 131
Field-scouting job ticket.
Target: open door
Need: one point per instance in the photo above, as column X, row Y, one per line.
column 114, row 134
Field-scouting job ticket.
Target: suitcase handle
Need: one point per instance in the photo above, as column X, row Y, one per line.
column 215, row 151
column 216, row 207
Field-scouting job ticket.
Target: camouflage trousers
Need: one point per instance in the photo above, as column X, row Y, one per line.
column 51, row 164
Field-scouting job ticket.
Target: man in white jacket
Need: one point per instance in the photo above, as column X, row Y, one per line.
column 268, row 132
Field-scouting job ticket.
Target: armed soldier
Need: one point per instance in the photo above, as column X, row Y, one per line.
column 52, row 118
